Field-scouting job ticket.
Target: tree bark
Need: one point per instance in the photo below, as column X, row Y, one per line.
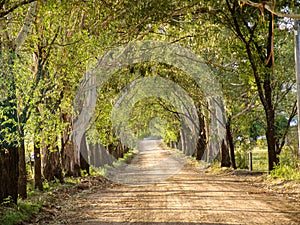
column 51, row 163
column 37, row 167
column 69, row 154
column 230, row 142
column 268, row 106
column 22, row 181
column 271, row 140
column 225, row 159
column 9, row 173
column 201, row 143
column 84, row 165
column 92, row 154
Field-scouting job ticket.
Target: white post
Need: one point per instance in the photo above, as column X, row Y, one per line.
column 297, row 59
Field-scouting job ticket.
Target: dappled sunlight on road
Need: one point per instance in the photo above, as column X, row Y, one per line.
column 157, row 194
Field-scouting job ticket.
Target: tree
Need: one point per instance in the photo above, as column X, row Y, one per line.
column 255, row 30
column 14, row 108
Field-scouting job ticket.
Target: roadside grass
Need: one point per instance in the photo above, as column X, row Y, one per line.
column 127, row 157
column 20, row 212
column 25, row 210
column 288, row 169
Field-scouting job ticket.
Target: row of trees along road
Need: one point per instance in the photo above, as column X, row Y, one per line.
column 46, row 46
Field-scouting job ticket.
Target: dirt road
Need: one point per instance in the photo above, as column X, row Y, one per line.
column 189, row 196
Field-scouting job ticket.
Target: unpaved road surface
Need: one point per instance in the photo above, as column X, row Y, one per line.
column 189, row 196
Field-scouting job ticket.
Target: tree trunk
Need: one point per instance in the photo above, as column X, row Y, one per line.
column 37, row 167
column 51, row 164
column 271, row 140
column 9, row 173
column 201, row 143
column 104, row 156
column 100, row 156
column 22, row 181
column 230, row 142
column 268, row 106
column 92, row 154
column 225, row 159
column 84, row 165
column 183, row 140
column 9, row 151
column 109, row 154
column 12, row 160
column 69, row 154
column 112, row 150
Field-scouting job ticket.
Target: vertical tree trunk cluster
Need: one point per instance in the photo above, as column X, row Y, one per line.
column 22, row 180
column 229, row 138
column 69, row 154
column 51, row 163
column 38, row 182
column 202, row 140
column 9, row 173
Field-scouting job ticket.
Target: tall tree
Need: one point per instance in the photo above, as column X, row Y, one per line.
column 255, row 30
column 14, row 108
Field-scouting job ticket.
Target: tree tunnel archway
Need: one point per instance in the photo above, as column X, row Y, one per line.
column 158, row 52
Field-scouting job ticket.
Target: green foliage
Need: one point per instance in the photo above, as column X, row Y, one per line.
column 46, row 185
column 243, row 146
column 39, row 81
column 25, row 210
column 286, row 172
column 289, row 167
column 97, row 171
column 7, row 201
column 259, row 155
column 21, row 212
column 242, row 158
column 83, row 173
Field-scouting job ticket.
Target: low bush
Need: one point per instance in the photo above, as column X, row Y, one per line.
column 289, row 167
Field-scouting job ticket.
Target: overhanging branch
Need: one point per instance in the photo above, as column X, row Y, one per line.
column 12, row 8
column 269, row 6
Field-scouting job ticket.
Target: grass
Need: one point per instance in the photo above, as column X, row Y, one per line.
column 23, row 211
column 126, row 159
column 260, row 159
column 288, row 169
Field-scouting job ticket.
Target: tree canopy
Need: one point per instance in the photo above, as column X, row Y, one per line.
column 48, row 48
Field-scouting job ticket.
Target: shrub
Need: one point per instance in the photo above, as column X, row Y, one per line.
column 289, row 167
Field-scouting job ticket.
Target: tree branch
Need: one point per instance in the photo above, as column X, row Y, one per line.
column 248, row 108
column 292, row 115
column 17, row 5
column 267, row 6
column 27, row 24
